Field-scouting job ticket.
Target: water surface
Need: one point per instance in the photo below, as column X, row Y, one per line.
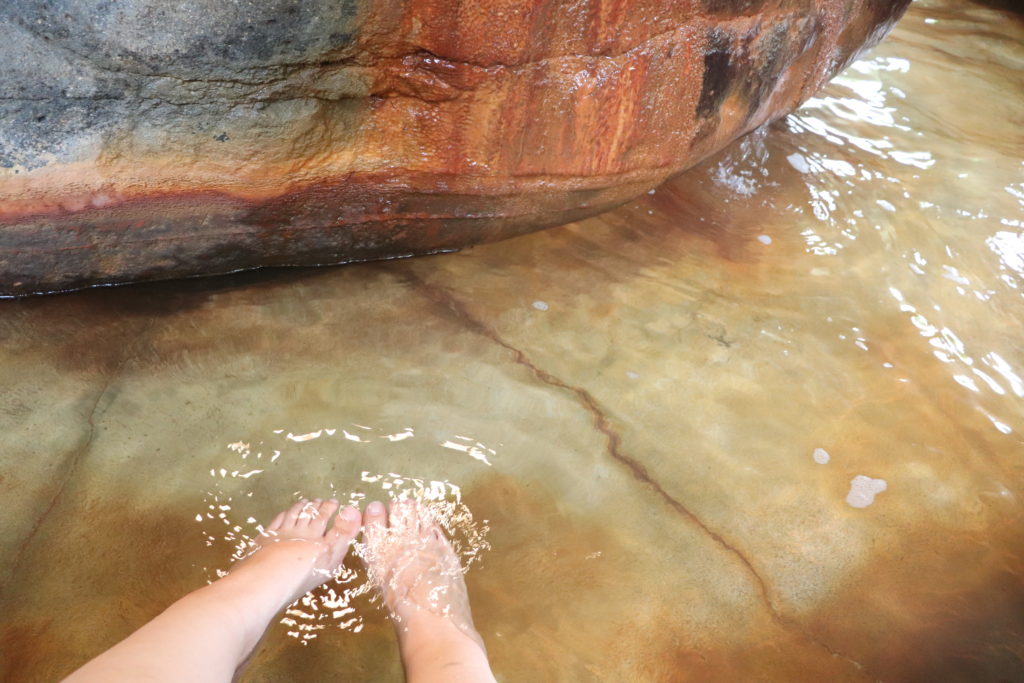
column 763, row 424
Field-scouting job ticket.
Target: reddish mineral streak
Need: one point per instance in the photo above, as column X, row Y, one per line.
column 476, row 122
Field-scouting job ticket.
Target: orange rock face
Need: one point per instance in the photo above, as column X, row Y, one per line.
column 141, row 144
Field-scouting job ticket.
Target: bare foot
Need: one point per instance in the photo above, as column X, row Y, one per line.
column 419, row 577
column 207, row 634
column 297, row 550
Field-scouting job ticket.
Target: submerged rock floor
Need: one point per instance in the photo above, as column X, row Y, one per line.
column 764, row 424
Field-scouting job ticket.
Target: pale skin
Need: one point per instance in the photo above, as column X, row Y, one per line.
column 209, row 633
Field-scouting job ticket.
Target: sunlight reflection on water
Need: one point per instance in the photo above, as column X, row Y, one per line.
column 851, row 195
column 337, row 603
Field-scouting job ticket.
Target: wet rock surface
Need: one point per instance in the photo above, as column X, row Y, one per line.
column 143, row 139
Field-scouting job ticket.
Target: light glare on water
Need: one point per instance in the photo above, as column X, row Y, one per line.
column 764, row 422
column 236, row 488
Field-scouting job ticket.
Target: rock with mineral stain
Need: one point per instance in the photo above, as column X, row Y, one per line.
column 149, row 139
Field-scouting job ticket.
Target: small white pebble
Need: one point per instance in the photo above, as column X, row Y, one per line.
column 821, row 456
column 764, row 239
column 541, row 305
column 632, row 375
column 650, row 191
column 863, row 491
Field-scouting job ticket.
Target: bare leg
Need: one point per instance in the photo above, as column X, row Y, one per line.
column 208, row 633
column 417, row 572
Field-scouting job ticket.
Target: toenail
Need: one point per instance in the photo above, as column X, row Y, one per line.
column 350, row 514
column 375, row 508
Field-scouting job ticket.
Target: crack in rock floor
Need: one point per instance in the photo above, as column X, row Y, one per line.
column 452, row 308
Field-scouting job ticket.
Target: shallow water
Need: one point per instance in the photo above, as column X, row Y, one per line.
column 764, row 424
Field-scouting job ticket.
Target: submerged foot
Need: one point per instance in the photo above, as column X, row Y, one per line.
column 420, row 579
column 302, row 547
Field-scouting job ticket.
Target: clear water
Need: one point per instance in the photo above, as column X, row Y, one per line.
column 763, row 424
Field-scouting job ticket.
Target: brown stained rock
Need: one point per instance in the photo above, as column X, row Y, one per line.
column 141, row 139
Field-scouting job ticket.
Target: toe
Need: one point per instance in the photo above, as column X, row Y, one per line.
column 427, row 521
column 375, row 522
column 440, row 535
column 346, row 526
column 275, row 523
column 325, row 513
column 417, row 518
column 294, row 513
column 433, row 530
column 402, row 516
column 328, row 508
column 311, row 512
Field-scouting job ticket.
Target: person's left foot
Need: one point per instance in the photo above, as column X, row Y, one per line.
column 297, row 552
column 418, row 574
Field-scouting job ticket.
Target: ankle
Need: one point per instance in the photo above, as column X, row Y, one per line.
column 263, row 585
column 451, row 660
column 419, row 647
column 428, row 640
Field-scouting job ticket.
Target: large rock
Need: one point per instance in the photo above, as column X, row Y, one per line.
column 146, row 139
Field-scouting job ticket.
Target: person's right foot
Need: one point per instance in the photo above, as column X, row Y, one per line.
column 300, row 549
column 419, row 577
